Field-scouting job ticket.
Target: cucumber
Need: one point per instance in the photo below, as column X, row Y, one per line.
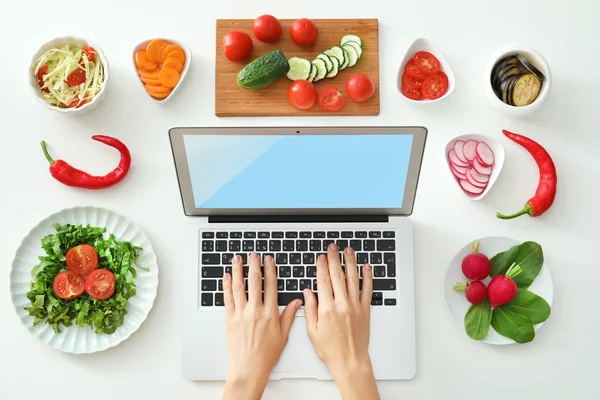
column 313, row 73
column 356, row 47
column 327, row 60
column 352, row 54
column 263, row 71
column 336, row 67
column 346, row 60
column 299, row 68
column 337, row 52
column 351, row 38
column 319, row 64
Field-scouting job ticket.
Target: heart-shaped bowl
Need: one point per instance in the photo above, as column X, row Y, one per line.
column 423, row 44
column 499, row 156
column 186, row 66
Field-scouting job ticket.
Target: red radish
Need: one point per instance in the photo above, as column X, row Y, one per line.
column 484, row 154
column 455, row 160
column 472, row 180
column 476, row 266
column 475, row 291
column 459, row 169
column 469, row 188
column 458, row 149
column 481, row 178
column 469, row 150
column 457, row 174
column 502, row 288
column 482, row 169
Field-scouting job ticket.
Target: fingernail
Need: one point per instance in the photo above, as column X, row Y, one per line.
column 367, row 267
column 323, row 257
column 306, row 293
column 333, row 247
column 268, row 258
column 235, row 259
column 254, row 254
column 349, row 250
column 298, row 303
column 226, row 277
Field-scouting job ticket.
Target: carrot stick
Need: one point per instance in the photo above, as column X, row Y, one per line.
column 169, row 77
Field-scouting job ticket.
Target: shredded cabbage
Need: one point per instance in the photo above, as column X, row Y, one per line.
column 61, row 62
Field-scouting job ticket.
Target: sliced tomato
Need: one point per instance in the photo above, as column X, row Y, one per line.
column 82, row 259
column 100, row 284
column 435, row 86
column 74, row 104
column 302, row 94
column 91, row 53
column 76, row 77
column 426, row 62
column 409, row 82
column 412, row 93
column 412, row 71
column 68, row 285
column 41, row 72
column 330, row 99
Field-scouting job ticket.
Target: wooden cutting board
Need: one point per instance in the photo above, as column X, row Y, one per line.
column 233, row 101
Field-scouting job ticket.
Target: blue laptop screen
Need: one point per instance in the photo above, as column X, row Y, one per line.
column 298, row 171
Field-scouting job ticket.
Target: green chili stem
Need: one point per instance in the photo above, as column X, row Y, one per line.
column 45, row 150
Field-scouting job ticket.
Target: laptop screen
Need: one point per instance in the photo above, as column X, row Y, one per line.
column 358, row 171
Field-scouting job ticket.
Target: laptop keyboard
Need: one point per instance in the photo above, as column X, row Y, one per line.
column 295, row 254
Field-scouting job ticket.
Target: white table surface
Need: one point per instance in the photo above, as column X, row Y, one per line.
column 562, row 361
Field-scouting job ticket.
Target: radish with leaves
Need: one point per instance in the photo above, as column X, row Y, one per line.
column 475, row 291
column 476, row 266
column 502, row 288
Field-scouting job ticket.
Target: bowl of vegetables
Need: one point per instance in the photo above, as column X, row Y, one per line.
column 69, row 75
column 518, row 80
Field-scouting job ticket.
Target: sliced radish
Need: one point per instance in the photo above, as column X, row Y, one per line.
column 457, row 174
column 472, row 181
column 469, row 188
column 481, row 178
column 482, row 169
column 458, row 149
column 459, row 169
column 469, row 150
column 485, row 154
column 455, row 160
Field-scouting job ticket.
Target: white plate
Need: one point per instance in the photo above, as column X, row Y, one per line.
column 490, row 246
column 76, row 339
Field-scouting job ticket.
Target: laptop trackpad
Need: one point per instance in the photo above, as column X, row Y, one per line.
column 299, row 359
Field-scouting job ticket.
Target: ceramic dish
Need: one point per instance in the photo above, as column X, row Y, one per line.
column 423, row 44
column 186, row 66
column 490, row 246
column 76, row 339
column 56, row 43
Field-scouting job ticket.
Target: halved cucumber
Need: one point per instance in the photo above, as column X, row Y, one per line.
column 350, row 38
column 313, row 73
column 299, row 68
column 346, row 60
column 352, row 55
column 319, row 64
column 336, row 52
column 336, row 67
column 327, row 60
column 356, row 47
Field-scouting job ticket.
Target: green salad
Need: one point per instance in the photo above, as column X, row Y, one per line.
column 104, row 316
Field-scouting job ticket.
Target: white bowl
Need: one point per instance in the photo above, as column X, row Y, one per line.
column 56, row 43
column 534, row 58
column 423, row 44
column 499, row 156
column 188, row 61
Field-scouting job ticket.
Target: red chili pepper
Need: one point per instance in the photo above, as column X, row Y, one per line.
column 546, row 190
column 71, row 176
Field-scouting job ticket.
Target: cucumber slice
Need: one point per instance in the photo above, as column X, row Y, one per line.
column 299, row 68
column 356, row 46
column 351, row 38
column 336, row 68
column 352, row 55
column 319, row 64
column 313, row 73
column 337, row 52
column 327, row 60
column 346, row 60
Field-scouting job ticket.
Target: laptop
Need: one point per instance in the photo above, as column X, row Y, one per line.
column 289, row 192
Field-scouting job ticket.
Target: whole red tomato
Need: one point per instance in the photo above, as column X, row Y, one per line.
column 304, row 32
column 302, row 94
column 237, row 46
column 360, row 88
column 267, row 28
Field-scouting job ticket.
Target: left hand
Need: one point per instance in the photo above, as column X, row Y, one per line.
column 256, row 334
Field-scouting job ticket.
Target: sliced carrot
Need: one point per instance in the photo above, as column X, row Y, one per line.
column 149, row 74
column 169, row 77
column 173, row 51
column 152, row 50
column 174, row 63
column 157, row 96
column 158, row 89
column 150, row 81
column 142, row 61
column 161, row 50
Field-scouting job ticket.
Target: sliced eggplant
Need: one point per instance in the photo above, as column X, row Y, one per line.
column 530, row 67
column 503, row 91
column 500, row 66
column 526, row 90
column 511, row 86
column 508, row 72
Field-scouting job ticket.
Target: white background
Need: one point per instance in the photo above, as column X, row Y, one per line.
column 562, row 361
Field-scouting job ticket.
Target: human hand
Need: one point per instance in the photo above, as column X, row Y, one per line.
column 256, row 333
column 339, row 324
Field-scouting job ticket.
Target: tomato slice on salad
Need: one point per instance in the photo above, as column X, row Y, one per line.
column 412, row 71
column 76, row 77
column 68, row 285
column 100, row 284
column 90, row 52
column 82, row 259
column 426, row 62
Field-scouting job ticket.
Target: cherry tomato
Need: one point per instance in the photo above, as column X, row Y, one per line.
column 304, row 32
column 237, row 46
column 435, row 86
column 76, row 77
column 100, row 284
column 426, row 62
column 360, row 88
column 302, row 94
column 409, row 82
column 82, row 259
column 412, row 93
column 412, row 71
column 267, row 28
column 40, row 77
column 91, row 53
column 330, row 99
column 68, row 285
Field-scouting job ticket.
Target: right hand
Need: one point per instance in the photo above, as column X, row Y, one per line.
column 338, row 325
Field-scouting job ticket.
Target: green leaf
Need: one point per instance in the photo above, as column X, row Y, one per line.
column 477, row 320
column 529, row 305
column 512, row 325
column 528, row 255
